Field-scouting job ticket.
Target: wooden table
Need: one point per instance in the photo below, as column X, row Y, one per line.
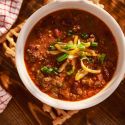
column 24, row 109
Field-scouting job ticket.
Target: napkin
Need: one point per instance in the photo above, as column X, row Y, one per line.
column 9, row 10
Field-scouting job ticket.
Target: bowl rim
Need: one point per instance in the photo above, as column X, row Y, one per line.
column 34, row 90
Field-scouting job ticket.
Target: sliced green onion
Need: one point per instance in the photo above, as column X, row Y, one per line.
column 69, row 46
column 86, row 44
column 81, row 46
column 62, row 57
column 102, row 57
column 49, row 70
column 84, row 35
column 55, row 70
column 94, row 44
column 46, row 69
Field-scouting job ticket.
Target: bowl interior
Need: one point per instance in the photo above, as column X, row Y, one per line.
column 93, row 9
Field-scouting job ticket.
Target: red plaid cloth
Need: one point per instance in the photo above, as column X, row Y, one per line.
column 4, row 99
column 9, row 10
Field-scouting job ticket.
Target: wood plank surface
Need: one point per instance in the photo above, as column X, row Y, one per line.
column 24, row 109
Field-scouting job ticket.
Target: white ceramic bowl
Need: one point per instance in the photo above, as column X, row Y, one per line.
column 73, row 4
